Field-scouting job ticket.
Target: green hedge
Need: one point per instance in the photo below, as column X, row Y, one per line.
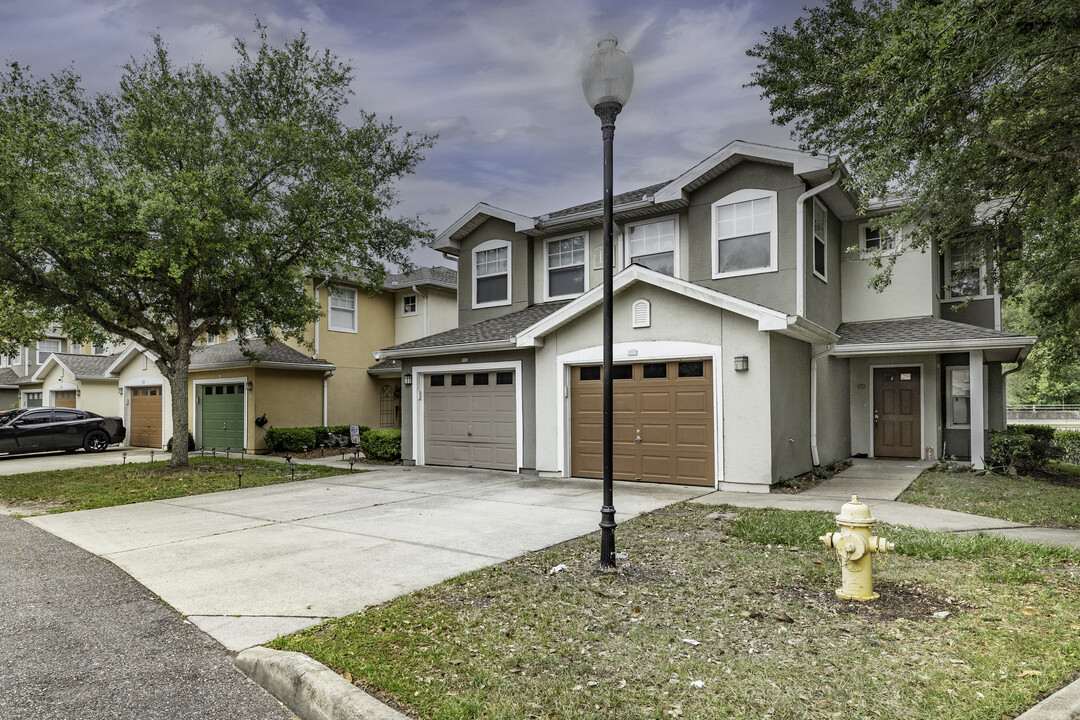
column 190, row 443
column 1068, row 442
column 381, row 444
column 297, row 438
column 1024, row 447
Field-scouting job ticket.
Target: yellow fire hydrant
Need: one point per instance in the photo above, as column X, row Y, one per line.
column 855, row 547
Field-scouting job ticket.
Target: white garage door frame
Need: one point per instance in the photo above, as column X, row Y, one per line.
column 634, row 352
column 420, row 373
column 196, row 388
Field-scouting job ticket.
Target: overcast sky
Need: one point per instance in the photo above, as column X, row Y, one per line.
column 500, row 82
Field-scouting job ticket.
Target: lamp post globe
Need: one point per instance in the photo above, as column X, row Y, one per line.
column 607, row 81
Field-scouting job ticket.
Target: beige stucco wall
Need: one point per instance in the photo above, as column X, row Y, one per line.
column 289, row 398
column 913, row 291
column 860, row 379
column 440, row 306
column 141, row 371
column 97, row 396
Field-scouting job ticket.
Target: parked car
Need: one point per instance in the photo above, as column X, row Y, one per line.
column 40, row 429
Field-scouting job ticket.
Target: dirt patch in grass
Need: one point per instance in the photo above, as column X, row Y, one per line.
column 793, row 485
column 899, row 600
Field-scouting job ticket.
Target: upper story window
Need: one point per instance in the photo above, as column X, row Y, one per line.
column 408, row 305
column 342, row 315
column 491, row 274
column 876, row 241
column 821, row 240
column 98, row 349
column 744, row 233
column 963, row 273
column 212, row 338
column 654, row 244
column 565, row 259
column 46, row 347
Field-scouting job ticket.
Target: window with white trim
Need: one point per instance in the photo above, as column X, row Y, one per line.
column 744, row 233
column 45, row 348
column 491, row 274
column 342, row 313
column 958, row 412
column 876, row 241
column 963, row 272
column 821, row 240
column 98, row 350
column 408, row 305
column 654, row 244
column 565, row 262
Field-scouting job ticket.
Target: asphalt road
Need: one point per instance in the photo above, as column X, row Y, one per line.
column 79, row 639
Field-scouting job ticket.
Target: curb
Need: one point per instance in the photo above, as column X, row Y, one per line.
column 1062, row 705
column 309, row 688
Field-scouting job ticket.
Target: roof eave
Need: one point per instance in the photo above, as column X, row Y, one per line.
column 262, row 364
column 484, row 346
column 1021, row 344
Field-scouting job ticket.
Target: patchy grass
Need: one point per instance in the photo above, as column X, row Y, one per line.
column 105, row 486
column 727, row 613
column 1047, row 499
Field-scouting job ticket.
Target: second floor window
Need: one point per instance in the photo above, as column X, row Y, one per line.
column 964, row 272
column 821, row 239
column 653, row 244
column 491, row 274
column 744, row 233
column 875, row 241
column 566, row 266
column 342, row 315
column 408, row 305
column 45, row 348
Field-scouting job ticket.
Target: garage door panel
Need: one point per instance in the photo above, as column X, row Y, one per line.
column 693, row 401
column 694, row 470
column 691, row 436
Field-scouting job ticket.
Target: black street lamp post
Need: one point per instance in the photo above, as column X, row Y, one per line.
column 607, row 82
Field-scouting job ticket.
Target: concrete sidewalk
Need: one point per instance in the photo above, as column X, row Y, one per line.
column 249, row 565
column 878, row 483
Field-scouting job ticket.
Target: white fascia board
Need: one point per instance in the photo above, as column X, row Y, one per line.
column 259, row 364
column 1020, row 344
column 445, row 240
column 801, row 163
column 768, row 319
column 45, row 366
column 125, row 357
column 802, row 329
column 554, row 224
column 457, row 349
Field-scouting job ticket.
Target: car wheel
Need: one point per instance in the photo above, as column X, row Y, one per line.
column 96, row 441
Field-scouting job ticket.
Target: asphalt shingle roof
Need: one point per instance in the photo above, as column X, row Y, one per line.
column 228, row 353
column 440, row 276
column 85, row 366
column 9, row 377
column 620, row 199
column 915, row 330
column 385, row 367
column 504, row 327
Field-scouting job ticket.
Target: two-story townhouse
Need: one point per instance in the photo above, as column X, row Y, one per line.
column 747, row 344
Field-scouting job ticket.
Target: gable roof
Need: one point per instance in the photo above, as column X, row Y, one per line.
column 9, row 379
column 925, row 334
column 81, row 367
column 436, row 276
column 277, row 354
column 492, row 334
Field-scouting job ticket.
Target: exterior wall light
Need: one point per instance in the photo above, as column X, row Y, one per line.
column 248, row 385
column 742, row 363
column 406, row 380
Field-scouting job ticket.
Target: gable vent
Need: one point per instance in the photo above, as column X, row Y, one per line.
column 641, row 314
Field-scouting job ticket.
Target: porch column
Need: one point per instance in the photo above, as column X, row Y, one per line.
column 978, row 411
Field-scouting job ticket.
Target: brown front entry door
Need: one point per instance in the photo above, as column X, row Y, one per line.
column 897, row 413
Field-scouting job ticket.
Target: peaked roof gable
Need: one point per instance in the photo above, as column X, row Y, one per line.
column 81, row 367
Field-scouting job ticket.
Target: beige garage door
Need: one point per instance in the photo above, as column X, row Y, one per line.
column 663, row 424
column 470, row 419
column 145, row 430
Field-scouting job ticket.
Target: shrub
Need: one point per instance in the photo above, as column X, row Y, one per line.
column 1068, row 442
column 1023, row 447
column 190, row 444
column 290, row 439
column 381, row 444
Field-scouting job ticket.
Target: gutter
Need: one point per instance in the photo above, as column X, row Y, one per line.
column 800, row 240
column 934, row 346
column 260, row 364
column 325, row 380
column 486, row 346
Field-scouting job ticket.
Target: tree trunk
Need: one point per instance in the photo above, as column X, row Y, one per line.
column 177, row 375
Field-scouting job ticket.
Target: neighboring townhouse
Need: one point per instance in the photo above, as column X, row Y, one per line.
column 748, row 346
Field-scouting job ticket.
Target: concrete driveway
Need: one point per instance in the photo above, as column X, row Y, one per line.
column 249, row 565
column 36, row 462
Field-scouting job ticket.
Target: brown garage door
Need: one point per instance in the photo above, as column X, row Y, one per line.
column 64, row 398
column 470, row 419
column 663, row 424
column 145, row 430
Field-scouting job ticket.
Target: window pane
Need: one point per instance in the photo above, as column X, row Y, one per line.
column 342, row 319
column 654, row 370
column 566, row 281
column 457, row 379
column 622, row 372
column 744, row 253
column 504, row 378
column 661, row 262
column 819, row 257
column 437, row 381
column 491, row 262
column 590, row 372
column 480, row 379
column 961, row 412
column 692, row 369
column 491, row 289
column 960, row 382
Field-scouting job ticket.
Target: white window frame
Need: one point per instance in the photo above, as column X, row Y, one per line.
column 484, row 247
column 824, row 240
column 405, row 299
column 584, row 266
column 949, row 422
column 949, row 294
column 864, row 253
column 59, row 348
column 341, row 292
column 774, row 243
column 676, row 255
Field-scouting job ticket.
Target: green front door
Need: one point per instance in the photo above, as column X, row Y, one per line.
column 223, row 416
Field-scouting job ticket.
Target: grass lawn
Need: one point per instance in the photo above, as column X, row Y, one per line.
column 724, row 613
column 108, row 485
column 1047, row 499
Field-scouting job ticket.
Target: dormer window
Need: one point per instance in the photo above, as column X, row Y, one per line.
column 408, row 305
column 491, row 274
column 744, row 233
column 654, row 244
column 565, row 258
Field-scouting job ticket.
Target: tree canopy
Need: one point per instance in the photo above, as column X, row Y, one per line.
column 967, row 110
column 188, row 202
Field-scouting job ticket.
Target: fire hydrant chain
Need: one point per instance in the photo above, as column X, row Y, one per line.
column 855, row 548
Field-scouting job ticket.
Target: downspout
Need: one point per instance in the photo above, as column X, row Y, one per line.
column 317, row 320
column 813, row 401
column 417, row 291
column 800, row 241
column 1005, row 405
column 325, row 380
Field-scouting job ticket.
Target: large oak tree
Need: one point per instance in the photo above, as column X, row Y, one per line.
column 189, row 201
column 966, row 109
